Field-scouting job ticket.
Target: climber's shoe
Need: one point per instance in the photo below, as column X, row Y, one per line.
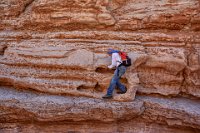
column 120, row 92
column 107, row 96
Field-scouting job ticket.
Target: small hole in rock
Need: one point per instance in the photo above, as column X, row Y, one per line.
column 2, row 50
column 124, row 80
column 98, row 88
column 104, row 70
column 84, row 88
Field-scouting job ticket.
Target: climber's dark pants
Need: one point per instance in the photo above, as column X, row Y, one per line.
column 116, row 80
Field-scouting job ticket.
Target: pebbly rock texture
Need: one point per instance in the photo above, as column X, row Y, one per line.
column 59, row 108
column 34, row 108
column 53, row 65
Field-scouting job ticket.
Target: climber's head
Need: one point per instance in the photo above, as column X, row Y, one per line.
column 110, row 51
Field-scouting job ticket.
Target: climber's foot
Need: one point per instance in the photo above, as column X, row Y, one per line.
column 107, row 96
column 120, row 92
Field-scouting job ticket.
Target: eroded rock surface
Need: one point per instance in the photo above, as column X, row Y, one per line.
column 29, row 107
column 58, row 47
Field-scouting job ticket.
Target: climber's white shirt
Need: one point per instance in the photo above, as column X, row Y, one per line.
column 116, row 60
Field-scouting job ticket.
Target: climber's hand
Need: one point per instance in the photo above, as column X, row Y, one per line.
column 110, row 67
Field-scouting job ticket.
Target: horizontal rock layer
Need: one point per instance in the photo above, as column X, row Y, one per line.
column 162, row 64
column 26, row 106
column 53, row 48
column 100, row 14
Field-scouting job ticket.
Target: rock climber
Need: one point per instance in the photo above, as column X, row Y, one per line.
column 120, row 70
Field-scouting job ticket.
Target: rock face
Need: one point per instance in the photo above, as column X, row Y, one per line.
column 53, row 65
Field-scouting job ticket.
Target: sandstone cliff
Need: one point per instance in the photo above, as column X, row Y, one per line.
column 53, row 65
